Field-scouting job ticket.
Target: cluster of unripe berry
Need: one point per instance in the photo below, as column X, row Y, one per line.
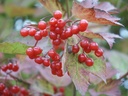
column 13, row 90
column 58, row 31
column 10, row 67
column 87, row 47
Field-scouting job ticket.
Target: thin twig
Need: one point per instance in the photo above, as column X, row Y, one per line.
column 74, row 90
column 123, row 76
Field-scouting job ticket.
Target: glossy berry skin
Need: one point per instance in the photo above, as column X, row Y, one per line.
column 46, row 62
column 58, row 65
column 59, row 73
column 2, row 87
column 89, row 62
column 43, row 33
column 75, row 48
column 87, row 49
column 24, row 92
column 53, row 21
column 15, row 89
column 53, row 71
column 37, row 50
column 53, row 35
column 93, row 46
column 61, row 23
column 10, row 65
column 30, row 52
column 42, row 25
column 6, row 92
column 56, row 57
column 15, row 67
column 83, row 24
column 38, row 36
column 39, row 60
column 82, row 58
column 99, row 52
column 75, row 29
column 84, row 43
column 58, row 30
column 57, row 14
column 32, row 32
column 4, row 68
column 56, row 42
column 68, row 33
column 24, row 32
column 51, row 53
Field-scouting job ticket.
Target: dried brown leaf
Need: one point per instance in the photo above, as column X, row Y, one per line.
column 94, row 15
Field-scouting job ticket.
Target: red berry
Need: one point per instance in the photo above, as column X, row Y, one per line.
column 42, row 25
column 99, row 52
column 75, row 29
column 83, row 24
column 32, row 31
column 58, row 65
column 93, row 46
column 53, row 36
column 15, row 89
column 59, row 73
column 43, row 33
column 52, row 21
column 61, row 23
column 24, row 32
column 30, row 52
column 24, row 92
column 2, row 86
column 38, row 36
column 53, row 65
column 4, row 68
column 84, row 43
column 68, row 32
column 58, row 30
column 75, row 48
column 56, row 42
column 89, row 61
column 51, row 53
column 6, row 92
column 57, row 14
column 81, row 58
column 61, row 89
column 39, row 60
column 15, row 67
column 87, row 49
column 46, row 62
column 53, row 71
column 37, row 50
column 62, row 36
column 10, row 65
column 56, row 57
column 52, row 28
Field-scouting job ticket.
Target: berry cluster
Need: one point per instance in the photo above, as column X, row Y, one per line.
column 58, row 31
column 13, row 90
column 11, row 67
column 87, row 47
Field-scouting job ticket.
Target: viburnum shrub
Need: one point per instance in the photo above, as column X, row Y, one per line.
column 59, row 31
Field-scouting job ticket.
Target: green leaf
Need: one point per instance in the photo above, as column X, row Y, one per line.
column 42, row 86
column 13, row 48
column 80, row 73
column 118, row 60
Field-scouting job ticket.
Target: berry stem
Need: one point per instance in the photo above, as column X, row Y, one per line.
column 35, row 43
column 126, row 74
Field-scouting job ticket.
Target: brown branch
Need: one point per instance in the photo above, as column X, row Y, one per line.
column 123, row 76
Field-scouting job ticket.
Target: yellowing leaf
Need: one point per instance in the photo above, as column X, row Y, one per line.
column 80, row 73
column 13, row 48
column 13, row 10
column 93, row 14
column 52, row 5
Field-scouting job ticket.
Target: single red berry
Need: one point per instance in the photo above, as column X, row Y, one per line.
column 99, row 52
column 81, row 58
column 89, row 62
column 75, row 29
column 24, row 32
column 63, row 35
column 15, row 67
column 24, row 92
column 30, row 52
column 58, row 30
column 61, row 23
column 55, row 89
column 58, row 65
column 2, row 87
column 53, row 71
column 53, row 35
column 52, row 28
column 57, row 14
column 59, row 73
column 51, row 53
column 42, row 25
column 56, row 42
column 83, row 24
column 84, row 43
column 44, row 94
column 53, row 21
column 75, row 48
column 94, row 46
column 6, row 92
column 53, row 65
column 87, row 49
column 4, row 68
column 39, row 60
column 37, row 50
column 56, row 57
column 61, row 89
column 10, row 65
column 43, row 33
column 68, row 32
column 46, row 62
column 15, row 89
column 32, row 31
column 38, row 36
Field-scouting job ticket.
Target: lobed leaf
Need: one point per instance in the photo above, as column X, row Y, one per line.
column 13, row 48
